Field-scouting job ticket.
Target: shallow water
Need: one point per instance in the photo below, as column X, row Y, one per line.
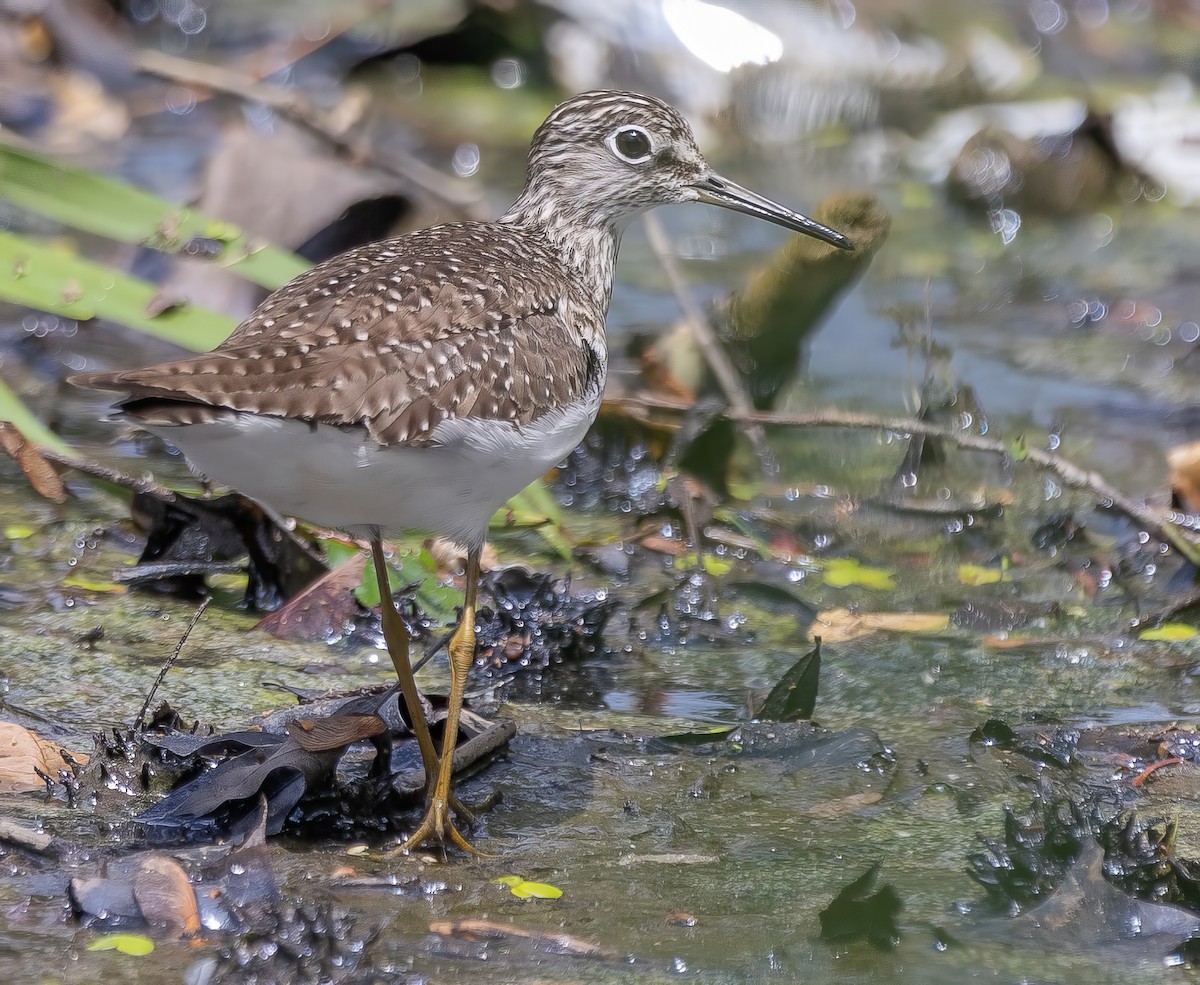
column 633, row 829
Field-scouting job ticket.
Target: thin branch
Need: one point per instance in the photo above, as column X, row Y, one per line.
column 741, row 407
column 140, row 724
column 289, row 103
column 1165, row 528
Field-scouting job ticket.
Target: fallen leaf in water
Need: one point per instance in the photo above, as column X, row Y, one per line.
column 1169, row 632
column 1184, row 461
column 41, row 474
column 844, row 805
column 21, row 754
column 165, row 896
column 137, row 945
column 977, row 574
column 843, row 572
column 528, row 890
column 839, row 625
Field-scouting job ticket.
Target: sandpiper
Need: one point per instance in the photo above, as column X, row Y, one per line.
column 419, row 382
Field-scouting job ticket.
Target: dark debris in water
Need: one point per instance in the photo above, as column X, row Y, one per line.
column 862, row 912
column 537, row 621
column 340, row 766
column 186, row 537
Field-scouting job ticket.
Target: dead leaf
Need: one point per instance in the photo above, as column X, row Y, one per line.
column 334, row 732
column 40, row 473
column 839, row 625
column 555, row 943
column 844, row 805
column 165, row 896
column 450, row 557
column 21, row 754
column 1184, row 461
column 321, row 610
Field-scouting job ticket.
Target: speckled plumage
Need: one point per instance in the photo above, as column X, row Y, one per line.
column 396, row 338
column 421, row 381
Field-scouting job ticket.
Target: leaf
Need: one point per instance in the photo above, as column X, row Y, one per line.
column 857, row 913
column 137, row 945
column 976, row 574
column 1018, row 450
column 22, row 755
column 19, row 531
column 841, row 624
column 1169, row 632
column 93, row 585
column 535, row 507
column 711, row 564
column 714, row 734
column 42, row 476
column 119, row 211
column 794, row 698
column 843, row 572
column 528, row 890
column 40, row 276
column 14, row 412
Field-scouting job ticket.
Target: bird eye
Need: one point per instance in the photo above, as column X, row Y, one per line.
column 631, row 144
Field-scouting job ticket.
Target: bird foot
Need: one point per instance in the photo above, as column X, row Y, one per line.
column 438, row 827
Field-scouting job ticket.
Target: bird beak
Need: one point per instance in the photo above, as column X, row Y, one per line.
column 716, row 190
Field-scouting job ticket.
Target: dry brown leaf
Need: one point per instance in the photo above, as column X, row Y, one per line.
column 41, row 474
column 21, row 754
column 322, row 734
column 558, row 943
column 844, row 805
column 450, row 558
column 164, row 895
column 1184, row 461
column 839, row 625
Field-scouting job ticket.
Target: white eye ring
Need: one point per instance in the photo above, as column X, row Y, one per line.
column 632, row 144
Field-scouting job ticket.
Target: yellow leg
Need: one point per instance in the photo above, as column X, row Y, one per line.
column 437, row 824
column 395, row 635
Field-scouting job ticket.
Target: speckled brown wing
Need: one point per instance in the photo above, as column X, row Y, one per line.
column 397, row 338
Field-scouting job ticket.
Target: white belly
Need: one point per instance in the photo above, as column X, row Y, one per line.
column 341, row 478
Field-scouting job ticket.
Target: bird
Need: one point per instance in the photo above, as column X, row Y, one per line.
column 419, row 382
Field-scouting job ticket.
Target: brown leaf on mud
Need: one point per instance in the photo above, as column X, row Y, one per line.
column 21, row 754
column 839, row 625
column 554, row 943
column 40, row 473
column 334, row 732
column 844, row 805
column 165, row 896
column 322, row 609
column 1184, row 461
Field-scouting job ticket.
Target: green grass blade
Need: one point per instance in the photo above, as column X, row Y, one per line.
column 112, row 208
column 39, row 276
column 535, row 506
column 14, row 411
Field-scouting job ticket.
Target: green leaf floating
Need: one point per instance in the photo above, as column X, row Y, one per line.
column 846, row 571
column 523, row 889
column 137, row 945
column 1169, row 632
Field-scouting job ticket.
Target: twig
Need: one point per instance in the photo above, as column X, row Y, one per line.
column 710, row 346
column 14, row 833
column 410, row 171
column 140, row 723
column 1071, row 475
column 104, row 473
